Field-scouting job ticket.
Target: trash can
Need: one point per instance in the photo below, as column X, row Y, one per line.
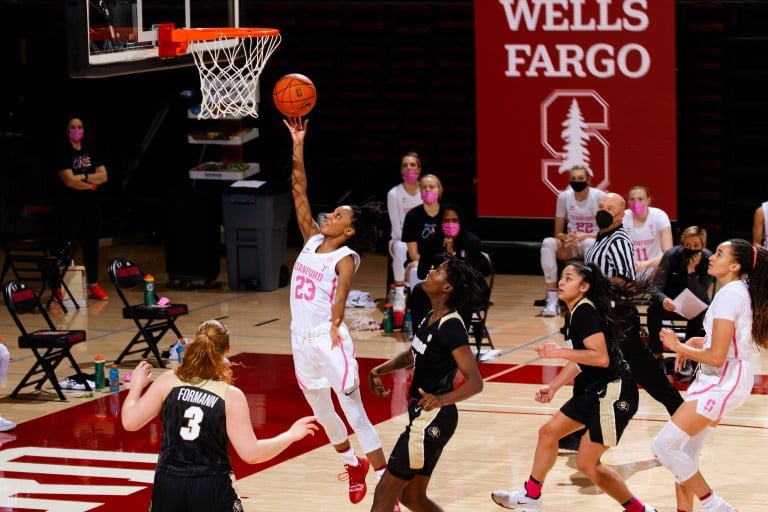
column 256, row 236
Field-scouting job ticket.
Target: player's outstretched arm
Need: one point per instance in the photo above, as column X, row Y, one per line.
column 307, row 224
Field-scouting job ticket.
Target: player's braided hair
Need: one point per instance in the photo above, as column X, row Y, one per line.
column 465, row 281
column 368, row 231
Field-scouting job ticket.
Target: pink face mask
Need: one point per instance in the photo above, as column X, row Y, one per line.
column 76, row 134
column 429, row 197
column 411, row 177
column 638, row 208
column 451, row 229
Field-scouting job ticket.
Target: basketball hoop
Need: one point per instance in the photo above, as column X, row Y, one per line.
column 229, row 61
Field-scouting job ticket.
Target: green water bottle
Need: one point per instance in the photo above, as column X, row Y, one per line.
column 98, row 365
column 389, row 321
column 149, row 290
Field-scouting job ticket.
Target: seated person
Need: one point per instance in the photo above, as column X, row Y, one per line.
column 400, row 200
column 648, row 227
column 575, row 230
column 760, row 226
column 683, row 266
column 457, row 241
column 422, row 224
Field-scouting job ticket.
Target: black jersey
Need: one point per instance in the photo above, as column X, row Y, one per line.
column 580, row 324
column 195, row 430
column 432, row 346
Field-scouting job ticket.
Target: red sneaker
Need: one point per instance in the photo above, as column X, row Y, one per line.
column 397, row 507
column 95, row 292
column 356, row 477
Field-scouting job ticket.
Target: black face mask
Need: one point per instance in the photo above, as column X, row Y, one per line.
column 603, row 219
column 578, row 186
column 690, row 253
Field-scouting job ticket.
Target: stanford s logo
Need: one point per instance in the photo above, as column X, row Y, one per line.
column 572, row 126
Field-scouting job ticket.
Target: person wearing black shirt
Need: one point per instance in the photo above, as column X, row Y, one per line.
column 439, row 349
column 81, row 172
column 682, row 267
column 201, row 412
column 605, row 396
column 421, row 227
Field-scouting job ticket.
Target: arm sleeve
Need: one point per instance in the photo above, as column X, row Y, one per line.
column 660, row 278
column 395, row 214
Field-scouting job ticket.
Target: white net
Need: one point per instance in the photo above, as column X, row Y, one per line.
column 229, row 74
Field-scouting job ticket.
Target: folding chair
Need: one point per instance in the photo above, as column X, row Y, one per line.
column 478, row 325
column 50, row 346
column 152, row 322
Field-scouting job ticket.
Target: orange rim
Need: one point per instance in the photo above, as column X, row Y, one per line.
column 173, row 41
column 210, row 34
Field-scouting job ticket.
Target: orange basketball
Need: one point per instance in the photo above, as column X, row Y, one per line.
column 294, row 95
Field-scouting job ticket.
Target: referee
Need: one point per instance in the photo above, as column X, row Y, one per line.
column 614, row 255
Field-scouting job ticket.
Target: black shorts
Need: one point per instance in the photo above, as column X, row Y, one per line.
column 419, row 447
column 206, row 493
column 605, row 410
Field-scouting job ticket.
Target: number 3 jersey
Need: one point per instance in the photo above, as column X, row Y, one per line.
column 195, row 430
column 314, row 283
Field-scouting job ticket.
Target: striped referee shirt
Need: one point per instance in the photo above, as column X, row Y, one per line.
column 614, row 254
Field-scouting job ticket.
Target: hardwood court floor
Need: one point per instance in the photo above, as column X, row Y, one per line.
column 74, row 455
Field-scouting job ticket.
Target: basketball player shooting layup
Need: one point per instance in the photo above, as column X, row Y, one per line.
column 323, row 355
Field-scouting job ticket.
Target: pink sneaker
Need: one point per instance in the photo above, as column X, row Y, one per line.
column 356, row 477
column 95, row 292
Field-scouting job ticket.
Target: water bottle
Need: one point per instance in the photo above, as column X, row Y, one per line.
column 114, row 379
column 389, row 324
column 408, row 326
column 98, row 365
column 398, row 306
column 149, row 290
column 180, row 351
column 391, row 294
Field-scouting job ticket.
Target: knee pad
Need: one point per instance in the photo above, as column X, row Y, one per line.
column 668, row 446
column 352, row 405
column 322, row 407
column 549, row 259
column 696, row 443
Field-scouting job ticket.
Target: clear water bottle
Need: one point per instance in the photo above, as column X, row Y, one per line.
column 408, row 326
column 114, row 379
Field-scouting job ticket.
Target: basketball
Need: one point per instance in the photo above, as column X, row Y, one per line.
column 294, row 95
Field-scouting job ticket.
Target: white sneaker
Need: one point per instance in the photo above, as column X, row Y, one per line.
column 6, row 425
column 649, row 508
column 552, row 308
column 723, row 506
column 516, row 499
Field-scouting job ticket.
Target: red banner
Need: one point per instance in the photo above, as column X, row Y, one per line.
column 565, row 82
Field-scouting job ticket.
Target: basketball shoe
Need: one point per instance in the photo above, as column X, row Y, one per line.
column 95, row 292
column 648, row 508
column 517, row 499
column 723, row 506
column 356, row 477
column 552, row 308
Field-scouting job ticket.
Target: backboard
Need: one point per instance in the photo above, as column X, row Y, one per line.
column 118, row 37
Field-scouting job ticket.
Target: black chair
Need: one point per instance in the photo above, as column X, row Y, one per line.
column 49, row 345
column 478, row 327
column 29, row 256
column 152, row 322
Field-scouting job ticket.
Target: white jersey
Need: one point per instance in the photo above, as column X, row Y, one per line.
column 765, row 224
column 580, row 215
column 719, row 390
column 646, row 238
column 400, row 202
column 313, row 284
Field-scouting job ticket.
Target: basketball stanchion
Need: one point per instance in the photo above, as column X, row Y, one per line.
column 229, row 61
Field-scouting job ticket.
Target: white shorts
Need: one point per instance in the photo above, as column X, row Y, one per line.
column 721, row 390
column 318, row 365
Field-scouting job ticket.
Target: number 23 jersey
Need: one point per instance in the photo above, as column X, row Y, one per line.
column 314, row 283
